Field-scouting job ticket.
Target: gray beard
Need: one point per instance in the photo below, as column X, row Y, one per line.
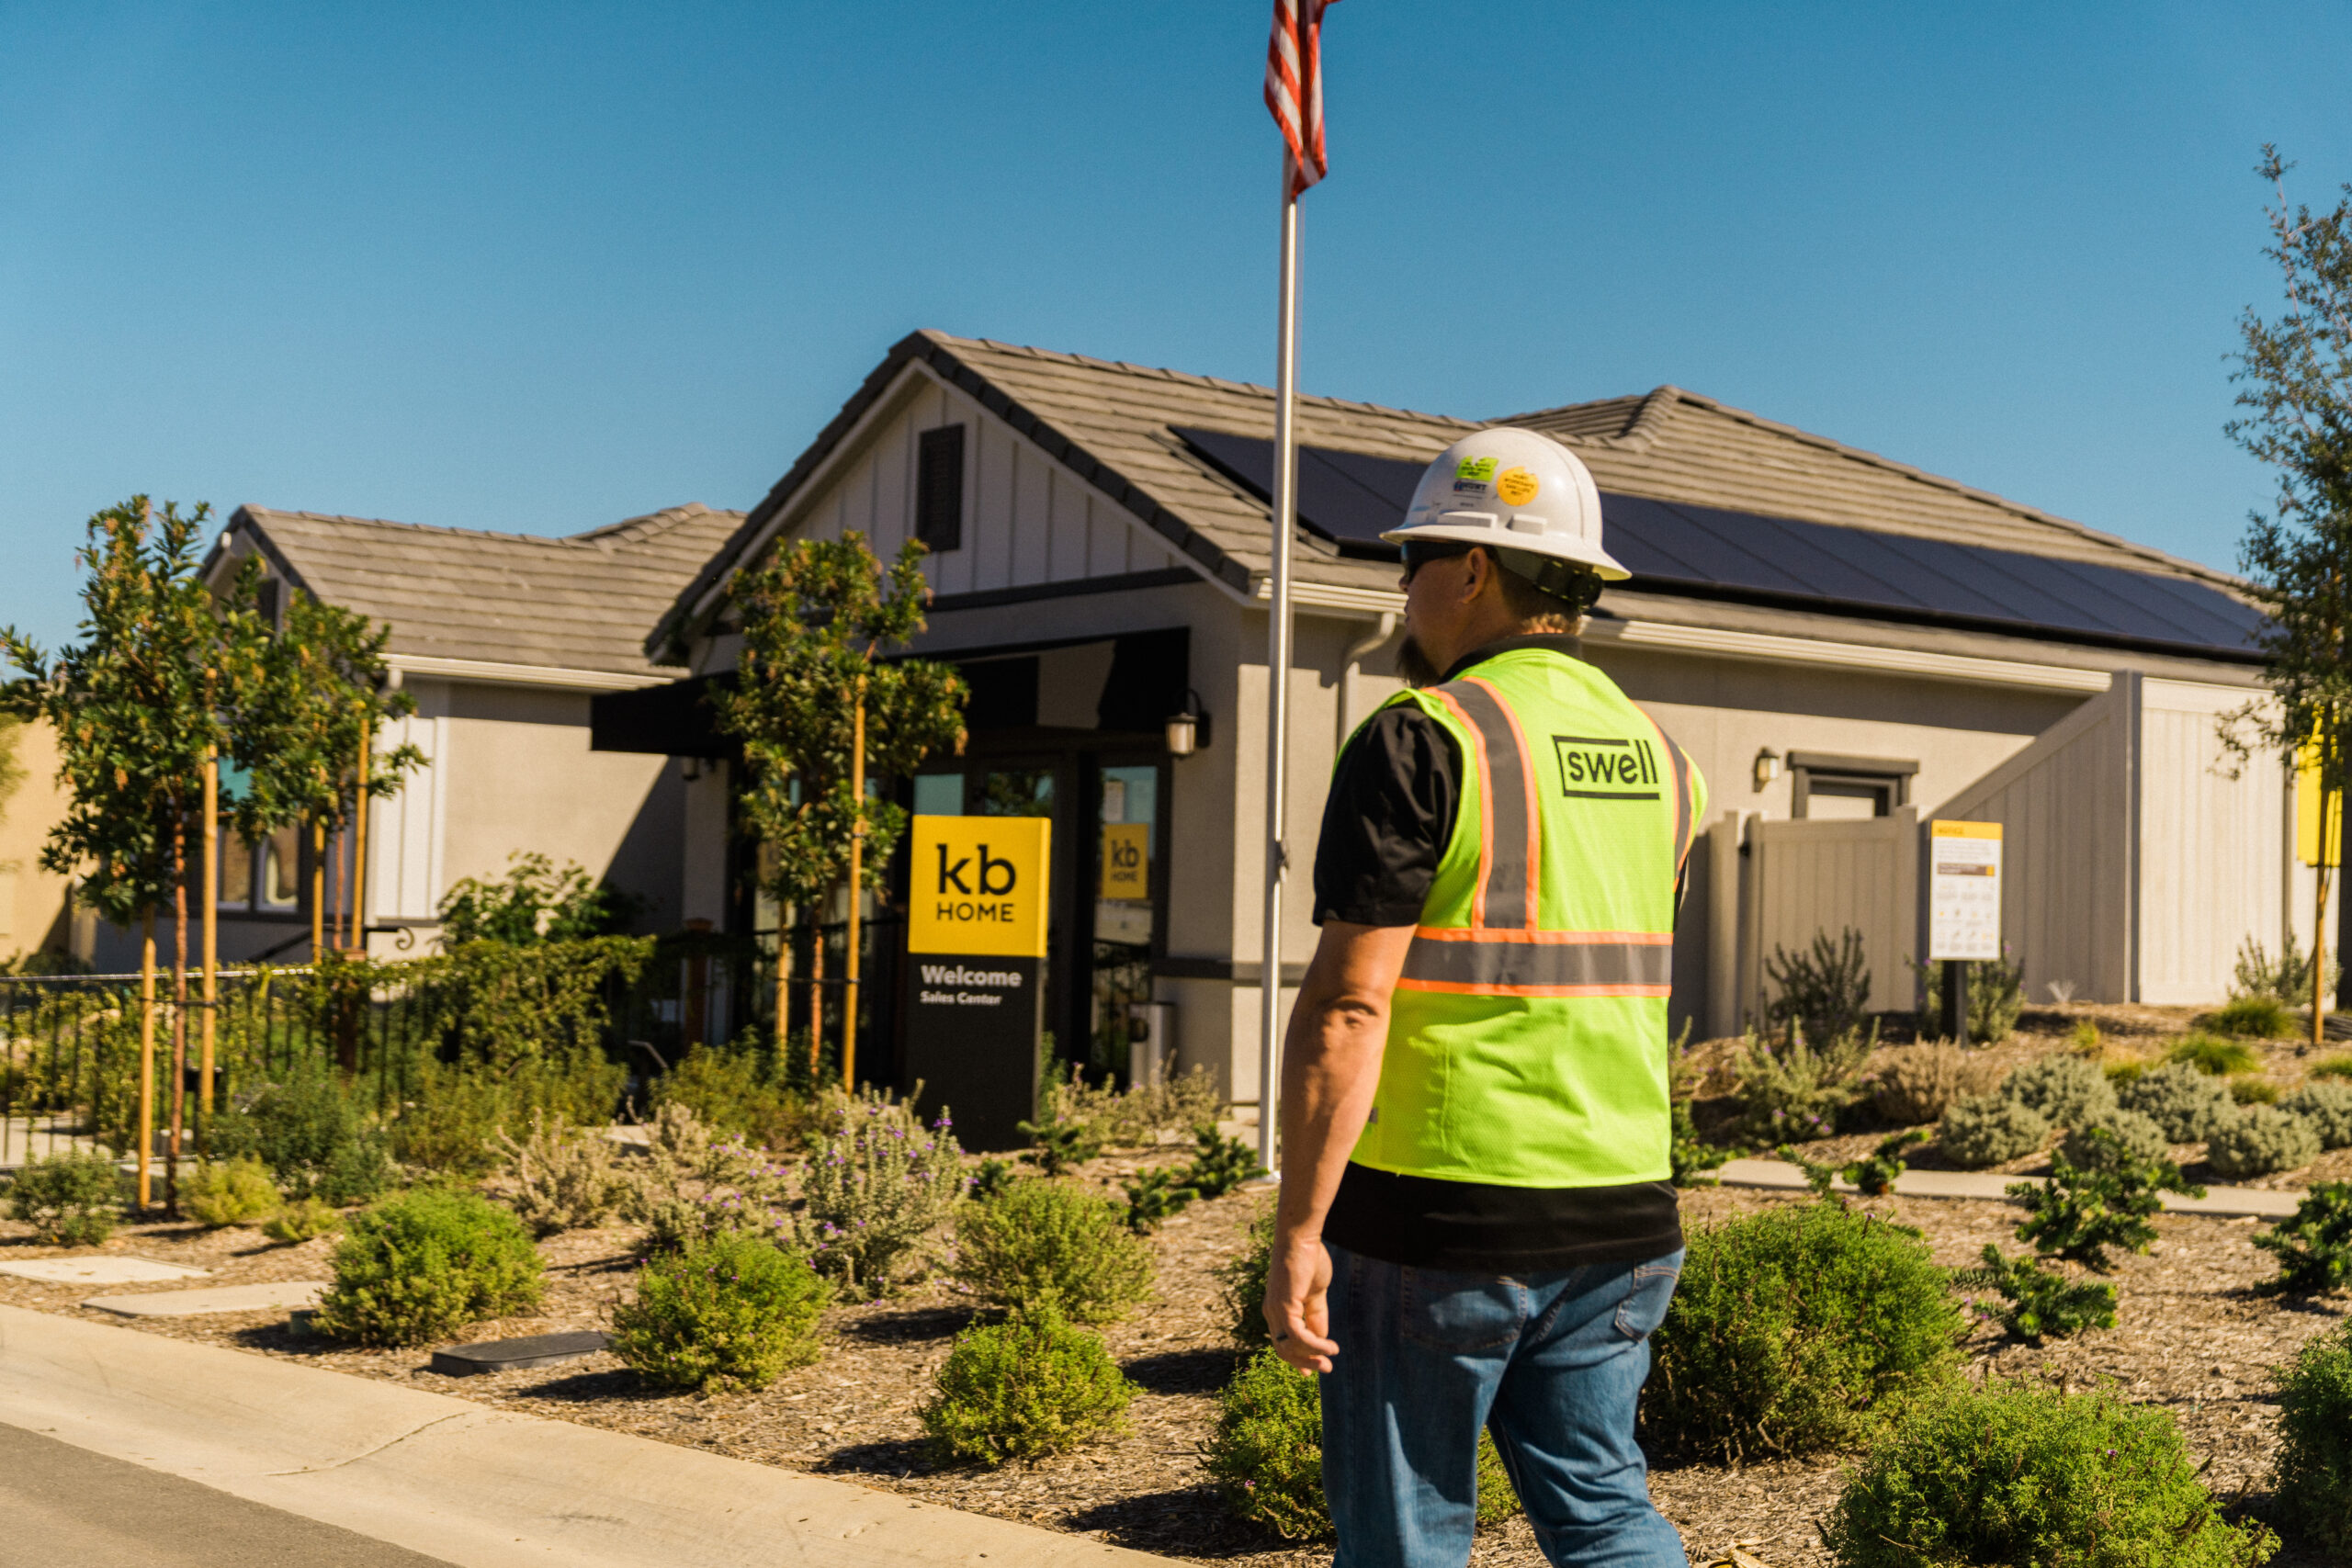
column 1414, row 665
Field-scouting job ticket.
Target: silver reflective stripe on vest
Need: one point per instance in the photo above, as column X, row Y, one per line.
column 1512, row 847
column 1620, row 963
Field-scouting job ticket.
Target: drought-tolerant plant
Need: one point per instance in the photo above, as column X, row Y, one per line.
column 1244, row 1282
column 1692, row 1160
column 2339, row 1066
column 1027, row 1388
column 2311, row 1477
column 303, row 1219
column 532, row 903
column 1874, row 1175
column 2013, row 1472
column 314, row 1140
column 2213, row 1054
column 1796, row 1330
column 1920, row 1083
column 1266, row 1453
column 2081, row 1212
column 421, row 1265
column 2254, row 1091
column 2084, row 1040
column 2326, row 1104
column 1219, row 1163
column 2287, row 978
column 1990, row 1129
column 1790, row 1090
column 1046, row 1242
column 733, row 1313
column 2313, row 1247
column 2038, row 1303
column 230, row 1192
column 988, row 1179
column 877, row 1181
column 738, row 1088
column 70, row 1200
column 2264, row 1139
column 2189, row 1106
column 2258, row 1017
column 1140, row 1115
column 1995, row 997
column 2063, row 1090
column 1060, row 1146
column 1154, row 1196
column 1825, row 990
column 564, row 1179
column 2131, row 1139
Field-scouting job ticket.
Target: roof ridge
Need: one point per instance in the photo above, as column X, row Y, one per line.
column 554, row 540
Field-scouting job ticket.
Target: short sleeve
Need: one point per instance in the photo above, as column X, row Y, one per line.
column 1385, row 825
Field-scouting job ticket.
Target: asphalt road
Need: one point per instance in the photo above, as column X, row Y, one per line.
column 66, row 1508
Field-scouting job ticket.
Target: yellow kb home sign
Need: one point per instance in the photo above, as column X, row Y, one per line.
column 976, row 921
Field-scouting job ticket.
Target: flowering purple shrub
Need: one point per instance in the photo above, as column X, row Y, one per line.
column 877, row 1181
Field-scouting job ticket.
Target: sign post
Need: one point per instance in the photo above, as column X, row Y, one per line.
column 1963, row 909
column 976, row 949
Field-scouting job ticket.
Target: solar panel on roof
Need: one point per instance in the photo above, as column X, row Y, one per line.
column 1349, row 498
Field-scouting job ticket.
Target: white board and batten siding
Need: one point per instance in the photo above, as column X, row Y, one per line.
column 1809, row 878
column 1027, row 519
column 2213, row 858
column 405, row 833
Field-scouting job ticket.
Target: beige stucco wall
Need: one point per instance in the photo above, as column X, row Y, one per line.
column 32, row 901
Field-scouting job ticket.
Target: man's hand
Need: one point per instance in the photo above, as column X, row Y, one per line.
column 1297, row 1306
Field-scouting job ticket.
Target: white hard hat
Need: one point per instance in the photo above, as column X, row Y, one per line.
column 1517, row 492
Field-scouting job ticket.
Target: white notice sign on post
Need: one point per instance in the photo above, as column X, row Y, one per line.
column 1964, row 890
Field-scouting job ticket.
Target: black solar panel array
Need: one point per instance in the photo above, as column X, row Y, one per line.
column 1349, row 499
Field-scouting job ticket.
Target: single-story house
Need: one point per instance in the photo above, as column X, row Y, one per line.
column 1845, row 644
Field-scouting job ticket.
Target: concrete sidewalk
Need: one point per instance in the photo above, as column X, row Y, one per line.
column 2227, row 1202
column 464, row 1484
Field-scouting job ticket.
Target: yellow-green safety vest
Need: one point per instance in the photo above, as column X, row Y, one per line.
column 1527, row 1038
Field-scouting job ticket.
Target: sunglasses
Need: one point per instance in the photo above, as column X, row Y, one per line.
column 1419, row 553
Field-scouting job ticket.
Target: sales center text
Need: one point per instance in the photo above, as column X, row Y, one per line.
column 958, row 974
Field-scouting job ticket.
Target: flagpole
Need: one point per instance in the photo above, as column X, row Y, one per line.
column 1270, row 971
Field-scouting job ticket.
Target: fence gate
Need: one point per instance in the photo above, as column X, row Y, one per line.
column 1804, row 877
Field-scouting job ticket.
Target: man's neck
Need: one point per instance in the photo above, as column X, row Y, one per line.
column 1563, row 643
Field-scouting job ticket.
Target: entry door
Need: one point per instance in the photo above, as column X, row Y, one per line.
column 1127, row 896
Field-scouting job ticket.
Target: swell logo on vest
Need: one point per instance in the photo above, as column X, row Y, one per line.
column 1597, row 768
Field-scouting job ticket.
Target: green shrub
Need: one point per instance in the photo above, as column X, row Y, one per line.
column 421, row 1265
column 564, row 1179
column 2259, row 1018
column 2082, row 1211
column 2132, row 1139
column 732, row 1314
column 2189, row 1106
column 1796, row 1330
column 737, row 1088
column 2213, row 1056
column 2014, row 1473
column 1060, row 1145
column 2263, row 1139
column 314, row 1140
column 1825, row 990
column 2337, row 1066
column 451, row 1123
column 2289, row 978
column 2314, row 1248
column 1219, row 1163
column 1049, row 1243
column 1244, row 1279
column 990, row 1180
column 1920, row 1083
column 230, row 1192
column 1990, row 1129
column 303, row 1219
column 70, row 1200
column 2254, row 1091
column 1154, row 1196
column 2040, row 1303
column 2311, row 1477
column 1995, row 997
column 1692, row 1160
column 1025, row 1389
column 1789, row 1091
column 877, row 1181
column 1266, row 1454
column 2064, row 1091
column 2326, row 1104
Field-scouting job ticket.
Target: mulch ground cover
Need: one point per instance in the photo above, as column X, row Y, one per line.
column 2191, row 1336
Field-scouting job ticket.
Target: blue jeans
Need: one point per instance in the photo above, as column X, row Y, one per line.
column 1551, row 1364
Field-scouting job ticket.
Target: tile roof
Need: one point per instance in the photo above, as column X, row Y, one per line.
column 580, row 602
column 1111, row 422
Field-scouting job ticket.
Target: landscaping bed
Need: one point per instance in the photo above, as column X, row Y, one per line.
column 2190, row 1336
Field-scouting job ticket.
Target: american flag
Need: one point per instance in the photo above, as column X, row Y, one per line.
column 1294, row 86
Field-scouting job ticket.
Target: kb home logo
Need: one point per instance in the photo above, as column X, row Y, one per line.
column 992, row 880
column 979, row 885
column 1597, row 768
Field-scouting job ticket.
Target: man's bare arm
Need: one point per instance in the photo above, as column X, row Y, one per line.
column 1330, row 1067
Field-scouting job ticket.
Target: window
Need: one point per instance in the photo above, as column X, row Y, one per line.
column 939, row 487
column 1826, row 787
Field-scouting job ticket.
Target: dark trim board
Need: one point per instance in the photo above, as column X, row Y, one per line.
column 1126, row 582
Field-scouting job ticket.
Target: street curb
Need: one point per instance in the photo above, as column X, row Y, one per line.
column 474, row 1486
column 2223, row 1203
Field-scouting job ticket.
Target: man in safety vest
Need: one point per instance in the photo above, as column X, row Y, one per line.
column 1477, row 1225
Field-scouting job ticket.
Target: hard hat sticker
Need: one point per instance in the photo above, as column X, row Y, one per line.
column 1515, row 486
column 1480, row 469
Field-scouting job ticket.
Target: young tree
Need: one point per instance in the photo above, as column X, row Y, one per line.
column 2295, row 380
column 818, row 714
column 134, row 708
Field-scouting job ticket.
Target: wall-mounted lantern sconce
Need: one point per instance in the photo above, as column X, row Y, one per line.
column 1188, row 731
column 1767, row 767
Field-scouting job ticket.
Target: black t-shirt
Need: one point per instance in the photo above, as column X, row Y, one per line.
column 1384, row 828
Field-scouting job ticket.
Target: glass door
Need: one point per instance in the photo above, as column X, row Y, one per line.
column 1125, row 906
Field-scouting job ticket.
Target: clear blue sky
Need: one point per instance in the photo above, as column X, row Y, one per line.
column 539, row 267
